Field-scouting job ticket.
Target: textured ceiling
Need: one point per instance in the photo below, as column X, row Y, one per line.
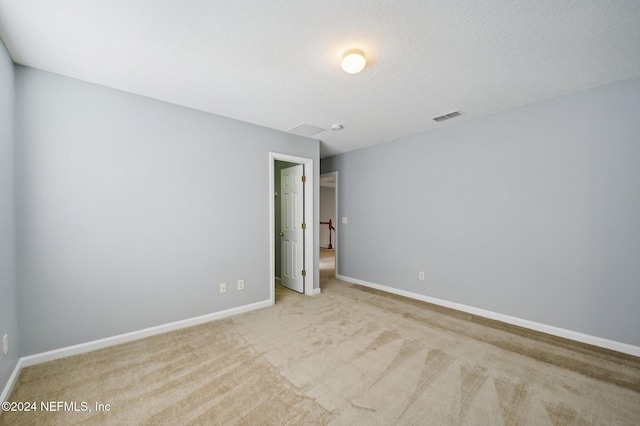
column 276, row 63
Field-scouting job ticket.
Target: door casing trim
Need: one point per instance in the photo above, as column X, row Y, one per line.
column 310, row 236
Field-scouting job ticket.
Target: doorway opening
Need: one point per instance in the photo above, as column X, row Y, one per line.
column 278, row 162
column 328, row 227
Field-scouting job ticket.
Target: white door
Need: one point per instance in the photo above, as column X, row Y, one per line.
column 292, row 234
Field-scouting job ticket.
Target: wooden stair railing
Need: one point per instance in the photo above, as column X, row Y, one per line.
column 329, row 229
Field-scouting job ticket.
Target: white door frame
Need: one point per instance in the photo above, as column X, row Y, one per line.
column 309, row 218
column 335, row 215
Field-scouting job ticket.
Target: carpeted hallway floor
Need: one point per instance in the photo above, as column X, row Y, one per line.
column 348, row 356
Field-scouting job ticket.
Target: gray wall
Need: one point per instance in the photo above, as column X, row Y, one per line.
column 131, row 211
column 532, row 212
column 8, row 300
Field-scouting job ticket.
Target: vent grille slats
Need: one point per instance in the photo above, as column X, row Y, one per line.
column 447, row 116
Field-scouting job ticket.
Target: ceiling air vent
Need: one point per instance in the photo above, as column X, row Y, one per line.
column 306, row 130
column 447, row 116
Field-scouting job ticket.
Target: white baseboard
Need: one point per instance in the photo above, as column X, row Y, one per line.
column 316, row 291
column 135, row 335
column 532, row 325
column 122, row 338
column 13, row 379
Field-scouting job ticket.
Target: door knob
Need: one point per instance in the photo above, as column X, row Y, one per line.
column 282, row 233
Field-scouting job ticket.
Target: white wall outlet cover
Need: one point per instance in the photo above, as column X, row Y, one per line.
column 223, row 287
column 5, row 344
column 344, row 220
column 240, row 284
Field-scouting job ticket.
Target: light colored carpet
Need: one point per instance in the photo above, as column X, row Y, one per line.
column 347, row 356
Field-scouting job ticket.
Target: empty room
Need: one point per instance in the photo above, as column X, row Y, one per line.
column 320, row 212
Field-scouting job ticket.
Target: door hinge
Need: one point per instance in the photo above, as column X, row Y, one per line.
column 304, row 273
column 304, row 178
column 304, row 226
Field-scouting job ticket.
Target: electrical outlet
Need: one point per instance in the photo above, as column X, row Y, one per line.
column 421, row 276
column 223, row 287
column 240, row 284
column 5, row 344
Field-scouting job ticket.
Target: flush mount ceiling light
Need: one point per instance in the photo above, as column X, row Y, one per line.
column 353, row 61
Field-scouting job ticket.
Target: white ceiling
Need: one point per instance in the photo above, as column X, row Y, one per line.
column 276, row 63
